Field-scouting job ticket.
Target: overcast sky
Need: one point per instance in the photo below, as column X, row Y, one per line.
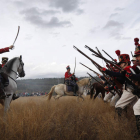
column 50, row 28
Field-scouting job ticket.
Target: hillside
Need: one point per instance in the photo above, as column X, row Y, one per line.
column 39, row 85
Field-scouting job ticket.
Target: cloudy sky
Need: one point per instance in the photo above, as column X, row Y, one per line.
column 50, row 28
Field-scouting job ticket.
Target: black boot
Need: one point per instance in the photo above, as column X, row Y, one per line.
column 138, row 123
column 119, row 111
column 2, row 93
column 15, row 96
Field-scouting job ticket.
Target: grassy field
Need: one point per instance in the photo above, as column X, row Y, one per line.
column 35, row 118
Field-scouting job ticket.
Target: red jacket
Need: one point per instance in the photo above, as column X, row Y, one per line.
column 3, row 50
column 68, row 75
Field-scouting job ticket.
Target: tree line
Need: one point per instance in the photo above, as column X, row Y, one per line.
column 40, row 85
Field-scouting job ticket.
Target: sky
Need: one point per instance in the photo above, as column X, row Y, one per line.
column 50, row 28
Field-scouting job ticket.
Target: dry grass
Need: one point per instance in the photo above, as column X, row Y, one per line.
column 35, row 118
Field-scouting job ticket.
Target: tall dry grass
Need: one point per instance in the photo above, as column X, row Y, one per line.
column 35, row 118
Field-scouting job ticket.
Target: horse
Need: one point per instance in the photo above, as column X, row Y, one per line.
column 60, row 89
column 98, row 88
column 11, row 68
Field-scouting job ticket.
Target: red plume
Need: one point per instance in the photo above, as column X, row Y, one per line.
column 118, row 52
column 136, row 40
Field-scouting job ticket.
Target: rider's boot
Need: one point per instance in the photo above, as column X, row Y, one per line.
column 15, row 96
column 75, row 88
column 2, row 93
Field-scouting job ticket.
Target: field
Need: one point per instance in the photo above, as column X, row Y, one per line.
column 35, row 118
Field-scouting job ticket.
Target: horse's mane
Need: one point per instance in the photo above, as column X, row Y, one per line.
column 80, row 82
column 9, row 64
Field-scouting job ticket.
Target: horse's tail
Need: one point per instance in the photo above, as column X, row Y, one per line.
column 51, row 92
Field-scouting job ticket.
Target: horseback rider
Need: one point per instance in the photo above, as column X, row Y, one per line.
column 2, row 93
column 71, row 79
column 4, row 61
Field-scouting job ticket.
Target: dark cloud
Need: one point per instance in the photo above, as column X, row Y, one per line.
column 114, row 24
column 36, row 17
column 119, row 9
column 39, row 12
column 66, row 5
column 114, row 15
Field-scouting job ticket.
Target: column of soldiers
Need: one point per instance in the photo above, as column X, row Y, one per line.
column 129, row 78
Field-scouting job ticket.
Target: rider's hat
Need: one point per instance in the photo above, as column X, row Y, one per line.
column 68, row 67
column 123, row 58
column 137, row 49
column 4, row 59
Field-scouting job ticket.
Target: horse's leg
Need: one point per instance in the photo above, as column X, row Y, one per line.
column 103, row 94
column 91, row 93
column 82, row 97
column 97, row 92
column 58, row 96
column 7, row 102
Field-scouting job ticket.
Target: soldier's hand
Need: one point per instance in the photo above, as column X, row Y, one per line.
column 11, row 47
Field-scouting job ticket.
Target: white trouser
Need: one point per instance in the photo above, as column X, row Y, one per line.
column 114, row 100
column 108, row 97
column 136, row 107
column 126, row 98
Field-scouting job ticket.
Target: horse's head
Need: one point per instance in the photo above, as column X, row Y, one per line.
column 20, row 69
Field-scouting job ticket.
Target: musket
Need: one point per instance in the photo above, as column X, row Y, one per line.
column 87, row 56
column 132, row 54
column 97, row 65
column 75, row 65
column 109, row 56
column 105, row 61
column 108, row 62
column 16, row 35
column 103, row 57
column 90, row 69
column 99, row 83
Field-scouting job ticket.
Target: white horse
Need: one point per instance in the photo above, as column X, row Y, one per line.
column 11, row 68
column 60, row 89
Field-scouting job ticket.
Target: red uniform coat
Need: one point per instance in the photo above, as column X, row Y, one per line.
column 68, row 75
column 3, row 50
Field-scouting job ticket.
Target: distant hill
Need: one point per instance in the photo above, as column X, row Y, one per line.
column 40, row 85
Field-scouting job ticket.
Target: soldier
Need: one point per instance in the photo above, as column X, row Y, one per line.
column 2, row 93
column 6, row 83
column 136, row 79
column 71, row 79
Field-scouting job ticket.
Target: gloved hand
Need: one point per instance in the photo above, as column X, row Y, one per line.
column 11, row 47
column 106, row 87
column 103, row 69
column 128, row 74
